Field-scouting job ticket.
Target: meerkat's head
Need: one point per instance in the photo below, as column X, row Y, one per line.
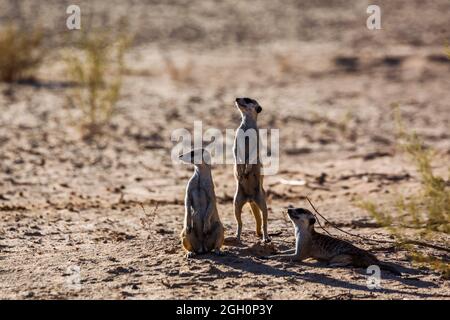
column 199, row 157
column 248, row 106
column 302, row 218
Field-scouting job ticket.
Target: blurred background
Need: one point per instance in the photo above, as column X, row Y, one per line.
column 212, row 24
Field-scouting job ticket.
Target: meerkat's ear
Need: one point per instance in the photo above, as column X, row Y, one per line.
column 258, row 109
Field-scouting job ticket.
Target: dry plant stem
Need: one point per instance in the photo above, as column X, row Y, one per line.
column 396, row 243
column 149, row 224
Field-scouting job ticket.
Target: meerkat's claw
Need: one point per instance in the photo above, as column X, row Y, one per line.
column 267, row 240
column 218, row 252
column 190, row 255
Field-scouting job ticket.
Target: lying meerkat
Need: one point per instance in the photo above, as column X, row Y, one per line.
column 247, row 169
column 203, row 232
column 336, row 252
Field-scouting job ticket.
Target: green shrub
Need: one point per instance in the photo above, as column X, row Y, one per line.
column 427, row 211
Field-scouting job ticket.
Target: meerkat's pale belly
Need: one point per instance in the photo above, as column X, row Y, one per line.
column 200, row 204
column 249, row 179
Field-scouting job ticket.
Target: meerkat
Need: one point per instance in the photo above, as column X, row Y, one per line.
column 203, row 231
column 336, row 252
column 247, row 169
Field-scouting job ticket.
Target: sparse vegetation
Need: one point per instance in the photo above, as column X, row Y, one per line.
column 434, row 197
column 332, row 126
column 178, row 73
column 21, row 52
column 428, row 211
column 285, row 63
column 97, row 69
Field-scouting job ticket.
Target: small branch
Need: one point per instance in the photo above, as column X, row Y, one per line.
column 424, row 244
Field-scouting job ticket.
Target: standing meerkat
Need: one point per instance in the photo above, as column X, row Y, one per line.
column 202, row 232
column 247, row 169
column 336, row 252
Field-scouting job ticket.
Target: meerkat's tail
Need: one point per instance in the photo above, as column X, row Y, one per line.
column 388, row 267
column 366, row 259
column 257, row 214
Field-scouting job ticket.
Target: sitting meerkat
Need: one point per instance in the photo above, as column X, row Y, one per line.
column 247, row 169
column 336, row 252
column 203, row 232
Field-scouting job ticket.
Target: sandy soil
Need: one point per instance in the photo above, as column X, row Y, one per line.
column 323, row 79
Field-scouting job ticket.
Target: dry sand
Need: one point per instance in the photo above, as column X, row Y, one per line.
column 324, row 80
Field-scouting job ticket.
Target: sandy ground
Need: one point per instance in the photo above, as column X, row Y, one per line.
column 70, row 204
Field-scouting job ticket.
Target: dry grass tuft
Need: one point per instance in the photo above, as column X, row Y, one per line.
column 97, row 68
column 285, row 63
column 447, row 50
column 21, row 52
column 178, row 73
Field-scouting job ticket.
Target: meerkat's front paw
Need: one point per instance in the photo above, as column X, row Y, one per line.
column 218, row 252
column 190, row 255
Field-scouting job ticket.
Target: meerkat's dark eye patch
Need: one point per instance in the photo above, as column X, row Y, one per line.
column 291, row 212
column 247, row 100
